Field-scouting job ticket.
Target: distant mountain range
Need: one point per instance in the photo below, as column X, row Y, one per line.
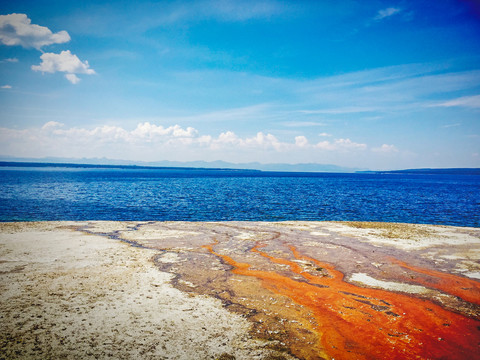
column 218, row 165
column 309, row 167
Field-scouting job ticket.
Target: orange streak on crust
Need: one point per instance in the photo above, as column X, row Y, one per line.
column 361, row 323
column 466, row 289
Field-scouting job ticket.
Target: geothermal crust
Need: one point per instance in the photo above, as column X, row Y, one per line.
column 238, row 290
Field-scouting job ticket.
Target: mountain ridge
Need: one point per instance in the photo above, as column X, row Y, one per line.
column 218, row 164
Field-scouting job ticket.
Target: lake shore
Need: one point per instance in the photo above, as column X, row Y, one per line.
column 238, row 290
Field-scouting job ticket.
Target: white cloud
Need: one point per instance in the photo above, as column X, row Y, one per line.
column 74, row 79
column 301, row 141
column 6, row 86
column 342, row 145
column 51, row 125
column 450, row 125
column 385, row 148
column 229, row 139
column 384, row 13
column 64, row 62
column 263, row 141
column 156, row 142
column 324, row 134
column 17, row 29
column 466, row 101
column 11, row 60
column 149, row 132
column 347, row 144
column 325, row 145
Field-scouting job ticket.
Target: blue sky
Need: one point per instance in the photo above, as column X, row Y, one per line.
column 370, row 84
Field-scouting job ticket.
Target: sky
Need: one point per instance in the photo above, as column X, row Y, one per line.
column 355, row 83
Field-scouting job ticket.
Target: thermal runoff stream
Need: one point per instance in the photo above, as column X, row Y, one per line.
column 331, row 290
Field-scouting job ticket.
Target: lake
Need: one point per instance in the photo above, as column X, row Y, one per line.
column 52, row 193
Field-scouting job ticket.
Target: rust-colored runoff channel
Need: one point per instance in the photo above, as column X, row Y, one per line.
column 466, row 289
column 360, row 323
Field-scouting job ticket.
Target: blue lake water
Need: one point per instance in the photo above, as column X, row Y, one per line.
column 28, row 194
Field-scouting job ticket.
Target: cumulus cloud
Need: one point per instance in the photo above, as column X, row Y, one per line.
column 229, row 140
column 384, row 13
column 6, row 86
column 264, row 141
column 64, row 62
column 340, row 145
column 10, row 60
column 386, row 149
column 301, row 141
column 74, row 79
column 17, row 29
column 149, row 132
column 154, row 142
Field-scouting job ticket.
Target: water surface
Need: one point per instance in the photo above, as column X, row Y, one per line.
column 29, row 194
